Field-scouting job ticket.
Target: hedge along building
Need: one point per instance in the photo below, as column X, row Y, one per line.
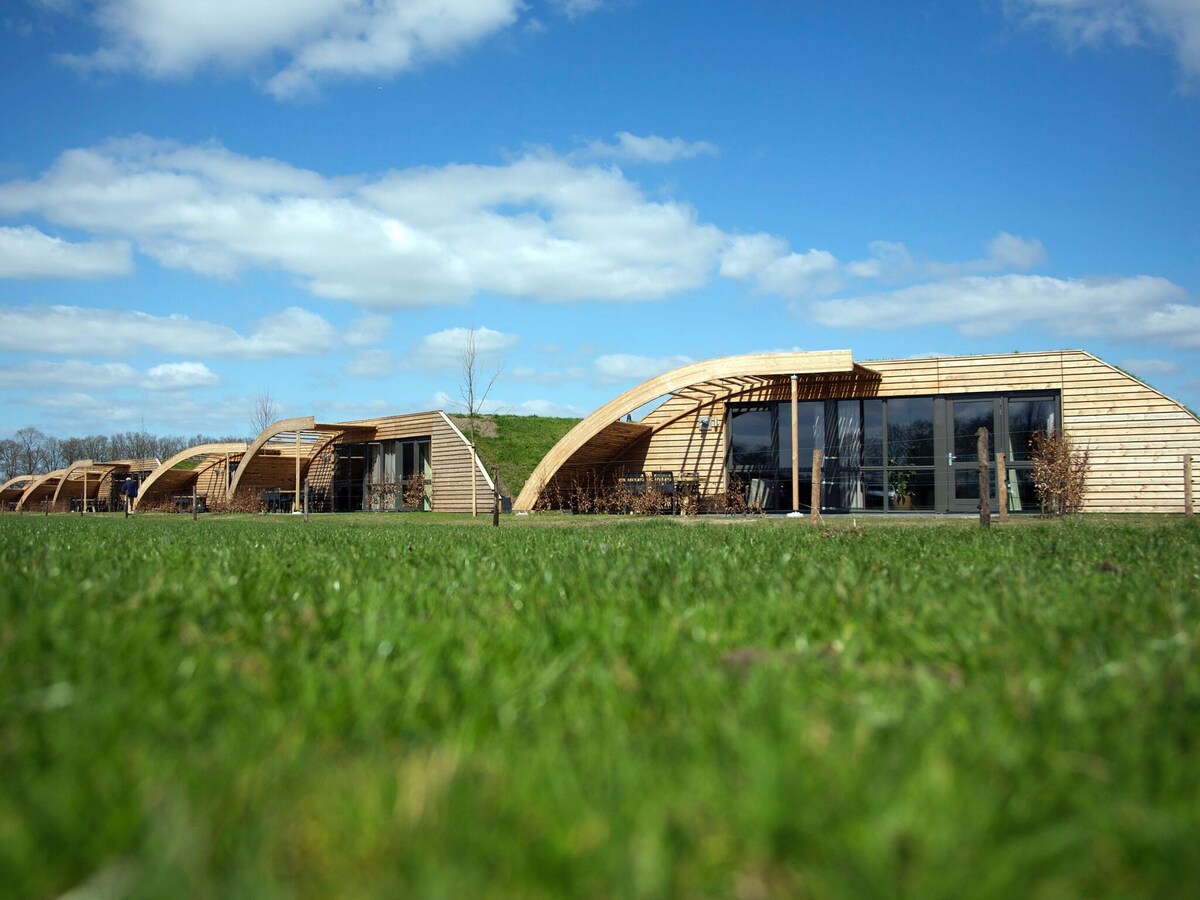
column 420, row 461
column 894, row 434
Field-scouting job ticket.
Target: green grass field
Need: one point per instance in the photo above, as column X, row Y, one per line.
column 421, row 706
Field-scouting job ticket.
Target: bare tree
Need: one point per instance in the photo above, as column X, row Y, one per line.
column 31, row 451
column 472, row 387
column 10, row 459
column 264, row 413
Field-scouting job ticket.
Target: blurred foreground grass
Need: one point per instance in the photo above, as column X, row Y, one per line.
column 404, row 706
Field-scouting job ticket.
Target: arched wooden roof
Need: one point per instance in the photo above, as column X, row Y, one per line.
column 39, row 482
column 300, row 423
column 211, row 453
column 589, row 440
column 15, row 482
column 12, row 489
column 84, row 464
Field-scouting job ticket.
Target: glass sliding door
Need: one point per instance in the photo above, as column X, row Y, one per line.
column 843, row 475
column 909, row 452
column 1026, row 416
column 966, row 417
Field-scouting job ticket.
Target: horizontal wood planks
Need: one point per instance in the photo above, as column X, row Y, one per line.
column 1136, row 437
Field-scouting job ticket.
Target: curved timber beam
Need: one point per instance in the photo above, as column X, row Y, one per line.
column 37, row 482
column 15, row 482
column 198, row 450
column 744, row 366
column 78, row 464
column 300, row 423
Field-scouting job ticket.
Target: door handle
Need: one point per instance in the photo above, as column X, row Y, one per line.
column 949, row 459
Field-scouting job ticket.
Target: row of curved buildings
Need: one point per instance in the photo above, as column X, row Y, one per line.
column 889, row 435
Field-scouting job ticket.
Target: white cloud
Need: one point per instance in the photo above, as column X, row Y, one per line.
column 29, row 253
column 367, row 330
column 1139, row 308
column 444, row 349
column 57, row 329
column 75, row 373
column 314, row 39
column 454, row 406
column 179, row 376
column 776, row 269
column 576, row 8
column 649, row 149
column 894, row 262
column 540, row 227
column 618, row 368
column 1175, row 23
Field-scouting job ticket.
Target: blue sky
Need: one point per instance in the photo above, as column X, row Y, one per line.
column 202, row 200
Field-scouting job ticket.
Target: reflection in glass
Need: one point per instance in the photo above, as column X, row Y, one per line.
column 843, row 440
column 751, row 440
column 810, row 424
column 1022, row 496
column 910, row 431
column 1025, row 419
column 966, row 484
column 872, row 491
column 872, row 433
column 969, row 417
column 921, row 485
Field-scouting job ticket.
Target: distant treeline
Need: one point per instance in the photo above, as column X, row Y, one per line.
column 30, row 452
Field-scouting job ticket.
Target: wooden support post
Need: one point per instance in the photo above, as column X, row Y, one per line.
column 816, row 486
column 985, row 482
column 795, row 444
column 305, row 499
column 1002, row 485
column 194, row 500
column 1187, row 485
column 83, row 504
column 496, row 498
column 296, row 505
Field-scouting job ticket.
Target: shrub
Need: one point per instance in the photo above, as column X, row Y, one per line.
column 1059, row 473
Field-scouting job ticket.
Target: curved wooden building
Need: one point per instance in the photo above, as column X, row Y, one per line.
column 84, row 484
column 419, row 461
column 895, row 435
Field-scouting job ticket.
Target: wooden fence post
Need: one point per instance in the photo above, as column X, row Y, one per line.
column 496, row 497
column 985, row 483
column 816, row 486
column 1002, row 485
column 1187, row 485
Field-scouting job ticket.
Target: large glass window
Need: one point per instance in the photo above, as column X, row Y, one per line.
column 752, row 448
column 376, row 475
column 882, row 453
column 910, row 431
column 1026, row 417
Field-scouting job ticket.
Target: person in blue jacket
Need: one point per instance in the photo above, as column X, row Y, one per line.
column 129, row 489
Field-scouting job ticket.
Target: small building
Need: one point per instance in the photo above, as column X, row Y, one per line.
column 414, row 462
column 84, row 484
column 894, row 435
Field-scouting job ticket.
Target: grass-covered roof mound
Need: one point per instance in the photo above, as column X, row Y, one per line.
column 515, row 444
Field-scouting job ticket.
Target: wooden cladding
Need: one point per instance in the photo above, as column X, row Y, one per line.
column 1136, row 437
